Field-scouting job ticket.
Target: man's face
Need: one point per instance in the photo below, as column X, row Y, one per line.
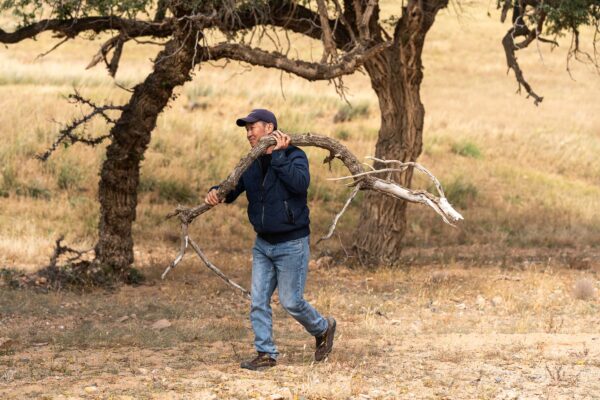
column 256, row 130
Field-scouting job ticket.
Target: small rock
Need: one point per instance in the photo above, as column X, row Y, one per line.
column 90, row 389
column 509, row 394
column 461, row 306
column 142, row 371
column 312, row 264
column 276, row 396
column 497, row 301
column 123, row 318
column 480, row 301
column 416, row 327
column 161, row 324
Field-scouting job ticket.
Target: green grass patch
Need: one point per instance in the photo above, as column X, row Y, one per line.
column 69, row 176
column 342, row 134
column 11, row 184
column 466, row 148
column 167, row 190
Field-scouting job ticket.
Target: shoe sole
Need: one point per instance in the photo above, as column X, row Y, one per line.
column 249, row 368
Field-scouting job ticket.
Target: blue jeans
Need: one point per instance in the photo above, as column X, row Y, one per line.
column 282, row 265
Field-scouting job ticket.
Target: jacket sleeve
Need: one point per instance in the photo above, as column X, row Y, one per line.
column 292, row 169
column 231, row 196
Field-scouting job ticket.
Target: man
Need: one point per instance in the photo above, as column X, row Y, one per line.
column 276, row 185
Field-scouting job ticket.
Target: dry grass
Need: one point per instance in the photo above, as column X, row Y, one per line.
column 399, row 333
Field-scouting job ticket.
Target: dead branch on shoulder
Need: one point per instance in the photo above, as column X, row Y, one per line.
column 361, row 180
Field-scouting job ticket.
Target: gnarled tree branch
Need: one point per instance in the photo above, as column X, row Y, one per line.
column 520, row 29
column 73, row 27
column 337, row 150
column 308, row 70
column 329, row 48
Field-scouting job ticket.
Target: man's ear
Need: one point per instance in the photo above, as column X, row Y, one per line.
column 270, row 127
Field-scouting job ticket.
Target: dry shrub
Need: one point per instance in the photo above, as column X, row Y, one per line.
column 584, row 289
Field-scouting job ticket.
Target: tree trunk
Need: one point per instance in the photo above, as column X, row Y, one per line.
column 396, row 77
column 131, row 135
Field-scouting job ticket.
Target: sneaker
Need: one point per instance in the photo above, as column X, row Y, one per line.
column 261, row 361
column 325, row 341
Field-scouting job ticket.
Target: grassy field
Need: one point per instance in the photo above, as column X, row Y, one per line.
column 504, row 305
column 524, row 177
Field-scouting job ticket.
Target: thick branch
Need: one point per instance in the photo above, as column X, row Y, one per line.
column 327, row 37
column 520, row 29
column 288, row 15
column 440, row 205
column 336, row 150
column 510, row 47
column 308, row 70
column 73, row 27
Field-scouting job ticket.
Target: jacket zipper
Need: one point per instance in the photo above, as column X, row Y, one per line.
column 290, row 216
column 262, row 198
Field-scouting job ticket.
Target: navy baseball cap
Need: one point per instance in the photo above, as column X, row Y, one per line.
column 258, row 114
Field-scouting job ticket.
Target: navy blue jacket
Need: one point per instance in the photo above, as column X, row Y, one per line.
column 277, row 206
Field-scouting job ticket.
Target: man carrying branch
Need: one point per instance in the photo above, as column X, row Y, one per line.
column 276, row 185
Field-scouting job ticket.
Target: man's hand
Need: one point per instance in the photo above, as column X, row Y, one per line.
column 283, row 140
column 212, row 199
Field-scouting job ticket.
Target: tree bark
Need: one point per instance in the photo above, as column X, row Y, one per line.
column 396, row 76
column 119, row 176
